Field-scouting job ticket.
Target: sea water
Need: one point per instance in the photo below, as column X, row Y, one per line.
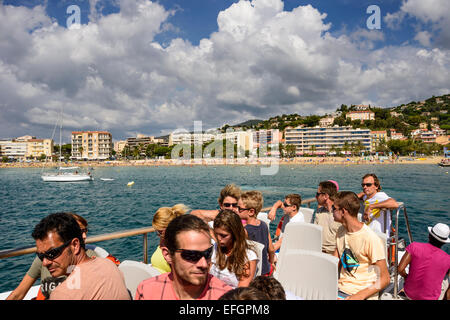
column 111, row 206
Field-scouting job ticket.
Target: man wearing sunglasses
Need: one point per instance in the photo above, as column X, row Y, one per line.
column 363, row 271
column 374, row 202
column 290, row 206
column 228, row 199
column 188, row 250
column 324, row 216
column 60, row 246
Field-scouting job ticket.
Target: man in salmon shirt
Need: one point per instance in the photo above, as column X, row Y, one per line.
column 188, row 251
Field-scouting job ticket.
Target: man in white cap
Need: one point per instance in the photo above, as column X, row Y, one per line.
column 428, row 265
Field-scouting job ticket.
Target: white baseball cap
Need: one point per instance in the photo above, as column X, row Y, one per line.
column 440, row 232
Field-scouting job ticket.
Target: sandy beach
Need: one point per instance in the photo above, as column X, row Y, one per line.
column 215, row 162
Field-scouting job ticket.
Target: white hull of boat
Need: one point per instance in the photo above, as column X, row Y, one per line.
column 67, row 178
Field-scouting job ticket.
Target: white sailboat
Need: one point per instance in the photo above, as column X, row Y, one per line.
column 66, row 174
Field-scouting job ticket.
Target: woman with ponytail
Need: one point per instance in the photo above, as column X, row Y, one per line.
column 161, row 220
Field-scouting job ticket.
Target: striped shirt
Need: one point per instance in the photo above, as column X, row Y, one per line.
column 161, row 288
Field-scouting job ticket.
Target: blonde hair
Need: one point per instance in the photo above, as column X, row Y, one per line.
column 230, row 190
column 164, row 215
column 253, row 200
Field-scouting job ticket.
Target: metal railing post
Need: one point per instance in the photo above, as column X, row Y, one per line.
column 145, row 244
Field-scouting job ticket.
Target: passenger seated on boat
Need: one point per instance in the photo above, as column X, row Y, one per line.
column 234, row 260
column 290, row 206
column 48, row 283
column 363, row 270
column 250, row 204
column 60, row 246
column 188, row 250
column 161, row 220
column 374, row 201
column 244, row 293
column 324, row 215
column 228, row 199
column 428, row 265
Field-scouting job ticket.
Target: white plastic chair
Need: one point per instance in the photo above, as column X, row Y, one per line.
column 259, row 247
column 134, row 272
column 300, row 235
column 307, row 214
column 309, row 275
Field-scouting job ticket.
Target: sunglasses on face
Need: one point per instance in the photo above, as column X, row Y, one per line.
column 366, row 184
column 333, row 208
column 54, row 253
column 287, row 205
column 319, row 193
column 85, row 230
column 228, row 205
column 242, row 209
column 195, row 255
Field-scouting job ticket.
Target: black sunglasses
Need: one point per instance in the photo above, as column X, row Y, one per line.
column 287, row 205
column 242, row 209
column 54, row 253
column 233, row 205
column 195, row 255
column 319, row 193
column 366, row 184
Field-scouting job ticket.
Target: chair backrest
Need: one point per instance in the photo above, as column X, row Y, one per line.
column 309, row 275
column 384, row 238
column 300, row 235
column 263, row 217
column 134, row 272
column 258, row 249
column 307, row 214
column 100, row 252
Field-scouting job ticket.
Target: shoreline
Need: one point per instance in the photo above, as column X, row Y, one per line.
column 229, row 162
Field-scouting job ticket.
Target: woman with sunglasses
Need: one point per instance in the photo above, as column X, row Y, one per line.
column 48, row 283
column 228, row 199
column 161, row 220
column 234, row 260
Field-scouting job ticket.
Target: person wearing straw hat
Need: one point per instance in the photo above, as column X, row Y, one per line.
column 428, row 265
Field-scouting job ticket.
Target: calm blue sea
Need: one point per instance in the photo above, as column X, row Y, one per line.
column 111, row 206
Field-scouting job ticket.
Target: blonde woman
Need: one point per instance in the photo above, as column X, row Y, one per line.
column 161, row 220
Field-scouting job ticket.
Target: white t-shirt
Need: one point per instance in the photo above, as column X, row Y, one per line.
column 297, row 218
column 376, row 218
column 225, row 275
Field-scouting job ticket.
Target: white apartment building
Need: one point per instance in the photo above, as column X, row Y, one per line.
column 320, row 141
column 13, row 149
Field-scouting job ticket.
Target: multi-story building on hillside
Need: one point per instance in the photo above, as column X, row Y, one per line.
column 322, row 141
column 361, row 115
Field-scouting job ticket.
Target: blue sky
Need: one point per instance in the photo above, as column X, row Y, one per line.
column 197, row 19
column 136, row 66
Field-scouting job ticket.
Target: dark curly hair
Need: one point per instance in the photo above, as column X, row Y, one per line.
column 63, row 223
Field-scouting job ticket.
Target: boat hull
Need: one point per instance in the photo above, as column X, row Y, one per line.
column 66, row 178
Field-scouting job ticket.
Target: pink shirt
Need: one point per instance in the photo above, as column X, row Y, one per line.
column 161, row 288
column 427, row 270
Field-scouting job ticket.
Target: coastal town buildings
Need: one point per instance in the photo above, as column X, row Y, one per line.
column 377, row 137
column 326, row 122
column 26, row 148
column 37, row 148
column 361, row 115
column 91, row 145
column 321, row 141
